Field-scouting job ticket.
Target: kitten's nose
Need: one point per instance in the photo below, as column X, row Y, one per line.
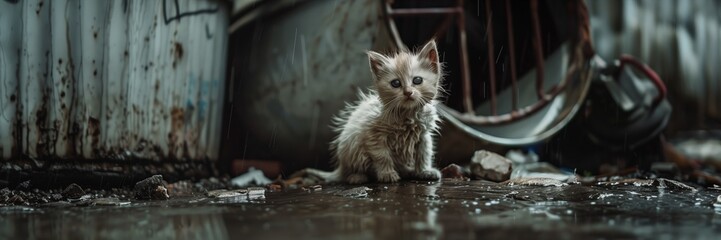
column 408, row 92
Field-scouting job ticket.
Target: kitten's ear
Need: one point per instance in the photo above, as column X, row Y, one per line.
column 430, row 53
column 376, row 61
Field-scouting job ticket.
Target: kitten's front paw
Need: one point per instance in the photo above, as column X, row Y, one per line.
column 388, row 177
column 429, row 174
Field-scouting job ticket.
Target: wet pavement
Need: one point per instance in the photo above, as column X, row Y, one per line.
column 408, row 210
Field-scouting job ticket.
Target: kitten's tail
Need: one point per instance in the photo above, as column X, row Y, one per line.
column 325, row 176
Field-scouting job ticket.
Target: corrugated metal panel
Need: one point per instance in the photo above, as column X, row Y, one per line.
column 111, row 79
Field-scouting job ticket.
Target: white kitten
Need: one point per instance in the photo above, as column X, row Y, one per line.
column 388, row 134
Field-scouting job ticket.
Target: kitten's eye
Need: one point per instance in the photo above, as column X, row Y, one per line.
column 396, row 83
column 417, row 80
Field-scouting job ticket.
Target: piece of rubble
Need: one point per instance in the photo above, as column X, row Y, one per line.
column 151, row 188
column 673, row 184
column 358, row 192
column 225, row 193
column 490, row 166
column 73, row 191
column 541, row 170
column 313, row 188
column 545, row 182
column 252, row 177
column 17, row 200
column 453, row 171
column 109, row 202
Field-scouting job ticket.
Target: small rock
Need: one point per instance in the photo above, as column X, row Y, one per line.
column 490, row 166
column 453, row 171
column 151, row 188
column 73, row 191
column 160, row 193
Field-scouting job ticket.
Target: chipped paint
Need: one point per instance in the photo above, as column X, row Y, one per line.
column 111, row 79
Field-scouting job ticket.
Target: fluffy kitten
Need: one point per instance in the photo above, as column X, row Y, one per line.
column 388, row 134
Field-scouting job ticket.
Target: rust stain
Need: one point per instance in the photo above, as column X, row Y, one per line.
column 40, row 7
column 94, row 131
column 178, row 50
column 177, row 120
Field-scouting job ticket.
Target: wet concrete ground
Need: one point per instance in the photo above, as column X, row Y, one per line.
column 409, row 210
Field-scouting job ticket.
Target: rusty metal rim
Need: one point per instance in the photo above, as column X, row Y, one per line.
column 457, row 11
column 585, row 75
column 579, row 66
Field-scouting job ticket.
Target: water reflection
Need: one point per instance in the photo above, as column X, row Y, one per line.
column 115, row 223
column 409, row 210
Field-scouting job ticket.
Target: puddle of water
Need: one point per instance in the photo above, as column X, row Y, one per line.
column 452, row 209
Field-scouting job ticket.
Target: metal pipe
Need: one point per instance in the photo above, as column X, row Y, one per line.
column 491, row 63
column 466, row 75
column 537, row 48
column 512, row 53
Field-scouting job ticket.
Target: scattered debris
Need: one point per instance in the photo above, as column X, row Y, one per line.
column 24, row 185
column 224, row 193
column 490, row 166
column 275, row 187
column 545, row 182
column 704, row 149
column 17, row 200
column 519, row 157
column 673, row 184
column 256, row 191
column 453, row 171
column 151, row 188
column 109, row 202
column 659, row 182
column 313, row 188
column 630, row 181
column 73, row 191
column 358, row 192
column 541, row 170
column 252, row 177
